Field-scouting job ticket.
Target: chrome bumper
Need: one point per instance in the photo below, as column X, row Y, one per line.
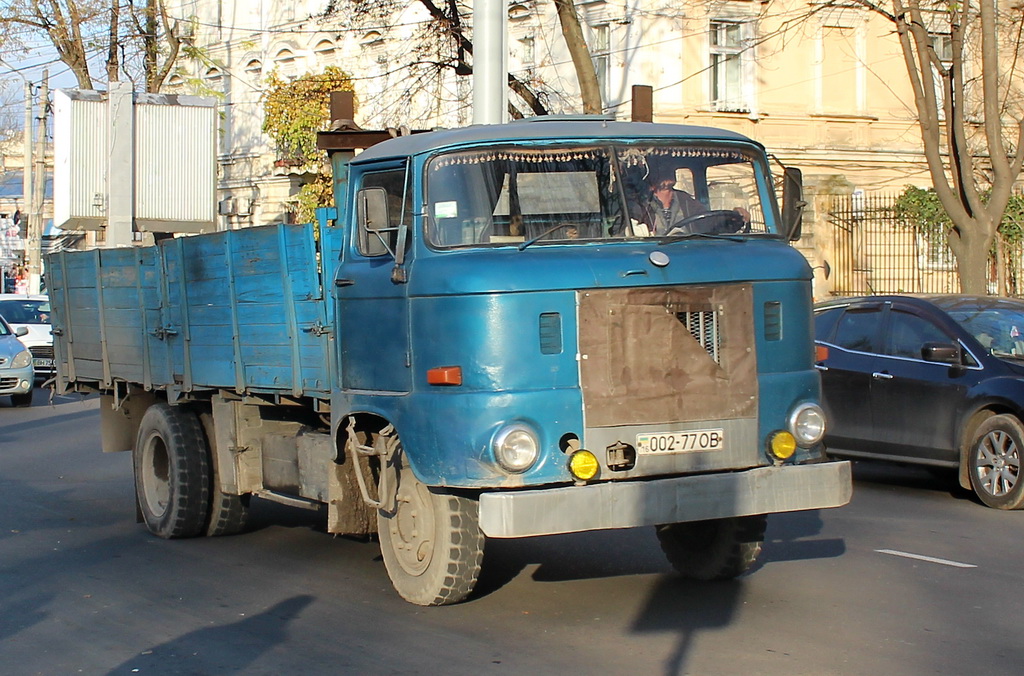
column 627, row 504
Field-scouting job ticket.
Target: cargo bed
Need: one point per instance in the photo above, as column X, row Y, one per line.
column 243, row 310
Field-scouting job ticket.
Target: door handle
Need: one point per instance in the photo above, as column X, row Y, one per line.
column 821, row 367
column 882, row 376
column 344, row 282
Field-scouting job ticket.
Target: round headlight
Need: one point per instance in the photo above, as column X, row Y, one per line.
column 807, row 424
column 23, row 359
column 515, row 447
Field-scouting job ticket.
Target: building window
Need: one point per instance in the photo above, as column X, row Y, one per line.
column 527, row 53
column 325, row 53
column 286, row 65
column 254, row 72
column 728, row 57
column 214, row 80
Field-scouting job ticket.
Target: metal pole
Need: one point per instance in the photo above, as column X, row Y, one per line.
column 27, row 167
column 490, row 61
column 35, row 224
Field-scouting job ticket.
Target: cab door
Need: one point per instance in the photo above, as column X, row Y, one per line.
column 372, row 302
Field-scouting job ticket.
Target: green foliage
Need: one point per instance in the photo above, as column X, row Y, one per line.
column 317, row 193
column 920, row 209
column 295, row 111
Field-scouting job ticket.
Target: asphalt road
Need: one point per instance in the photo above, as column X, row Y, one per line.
column 85, row 590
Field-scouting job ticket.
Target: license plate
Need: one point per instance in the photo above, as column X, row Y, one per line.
column 690, row 441
column 45, row 363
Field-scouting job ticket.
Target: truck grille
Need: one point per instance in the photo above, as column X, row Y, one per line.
column 703, row 326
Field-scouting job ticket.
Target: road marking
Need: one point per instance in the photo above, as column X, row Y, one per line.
column 929, row 559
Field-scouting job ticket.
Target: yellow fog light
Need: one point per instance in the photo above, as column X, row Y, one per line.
column 583, row 465
column 782, row 445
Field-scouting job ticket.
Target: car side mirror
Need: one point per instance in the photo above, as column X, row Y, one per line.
column 21, row 331
column 944, row 353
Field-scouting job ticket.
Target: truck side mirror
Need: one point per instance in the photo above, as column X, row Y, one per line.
column 373, row 221
column 792, row 202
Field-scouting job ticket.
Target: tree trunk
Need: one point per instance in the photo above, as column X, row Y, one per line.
column 590, row 89
column 971, row 246
column 112, row 60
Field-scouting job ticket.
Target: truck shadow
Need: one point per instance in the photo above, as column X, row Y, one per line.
column 582, row 556
column 227, row 648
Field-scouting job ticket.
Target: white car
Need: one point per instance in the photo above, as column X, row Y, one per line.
column 33, row 313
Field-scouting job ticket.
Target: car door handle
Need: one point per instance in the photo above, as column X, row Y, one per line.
column 821, row 367
column 882, row 376
column 344, row 282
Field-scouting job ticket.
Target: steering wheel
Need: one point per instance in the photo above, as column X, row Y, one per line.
column 713, row 222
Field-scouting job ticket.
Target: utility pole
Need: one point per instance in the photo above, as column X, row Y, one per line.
column 27, row 166
column 35, row 223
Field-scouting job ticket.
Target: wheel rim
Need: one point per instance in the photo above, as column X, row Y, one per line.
column 998, row 463
column 155, row 473
column 412, row 528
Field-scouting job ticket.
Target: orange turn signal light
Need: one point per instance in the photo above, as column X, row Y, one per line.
column 820, row 353
column 444, row 375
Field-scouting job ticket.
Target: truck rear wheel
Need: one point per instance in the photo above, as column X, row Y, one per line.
column 431, row 542
column 717, row 549
column 172, row 472
column 229, row 514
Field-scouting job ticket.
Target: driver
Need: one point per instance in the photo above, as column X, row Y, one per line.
column 665, row 207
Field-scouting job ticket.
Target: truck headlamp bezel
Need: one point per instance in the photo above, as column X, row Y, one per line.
column 807, row 424
column 516, row 447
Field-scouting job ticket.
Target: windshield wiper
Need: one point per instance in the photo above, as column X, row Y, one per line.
column 702, row 235
column 540, row 236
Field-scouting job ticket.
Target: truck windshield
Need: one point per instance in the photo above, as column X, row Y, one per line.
column 567, row 194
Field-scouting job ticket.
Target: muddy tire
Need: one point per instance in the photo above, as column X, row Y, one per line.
column 229, row 514
column 431, row 542
column 995, row 462
column 21, row 400
column 172, row 472
column 718, row 549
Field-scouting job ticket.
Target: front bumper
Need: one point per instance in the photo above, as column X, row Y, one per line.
column 16, row 381
column 627, row 504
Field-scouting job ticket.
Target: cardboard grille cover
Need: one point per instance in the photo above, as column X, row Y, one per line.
column 640, row 363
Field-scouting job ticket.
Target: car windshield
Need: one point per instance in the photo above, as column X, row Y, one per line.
column 569, row 194
column 1000, row 329
column 27, row 311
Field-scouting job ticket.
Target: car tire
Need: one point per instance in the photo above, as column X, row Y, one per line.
column 172, row 472
column 717, row 549
column 21, row 400
column 995, row 462
column 431, row 543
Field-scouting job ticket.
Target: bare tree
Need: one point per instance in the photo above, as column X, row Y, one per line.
column 451, row 48
column 586, row 75
column 141, row 43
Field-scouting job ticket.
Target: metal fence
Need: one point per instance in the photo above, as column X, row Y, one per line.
column 872, row 250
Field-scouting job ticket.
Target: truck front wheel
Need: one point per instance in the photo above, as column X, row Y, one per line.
column 717, row 549
column 431, row 542
column 172, row 472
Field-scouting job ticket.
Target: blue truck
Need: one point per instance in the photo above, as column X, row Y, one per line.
column 547, row 326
